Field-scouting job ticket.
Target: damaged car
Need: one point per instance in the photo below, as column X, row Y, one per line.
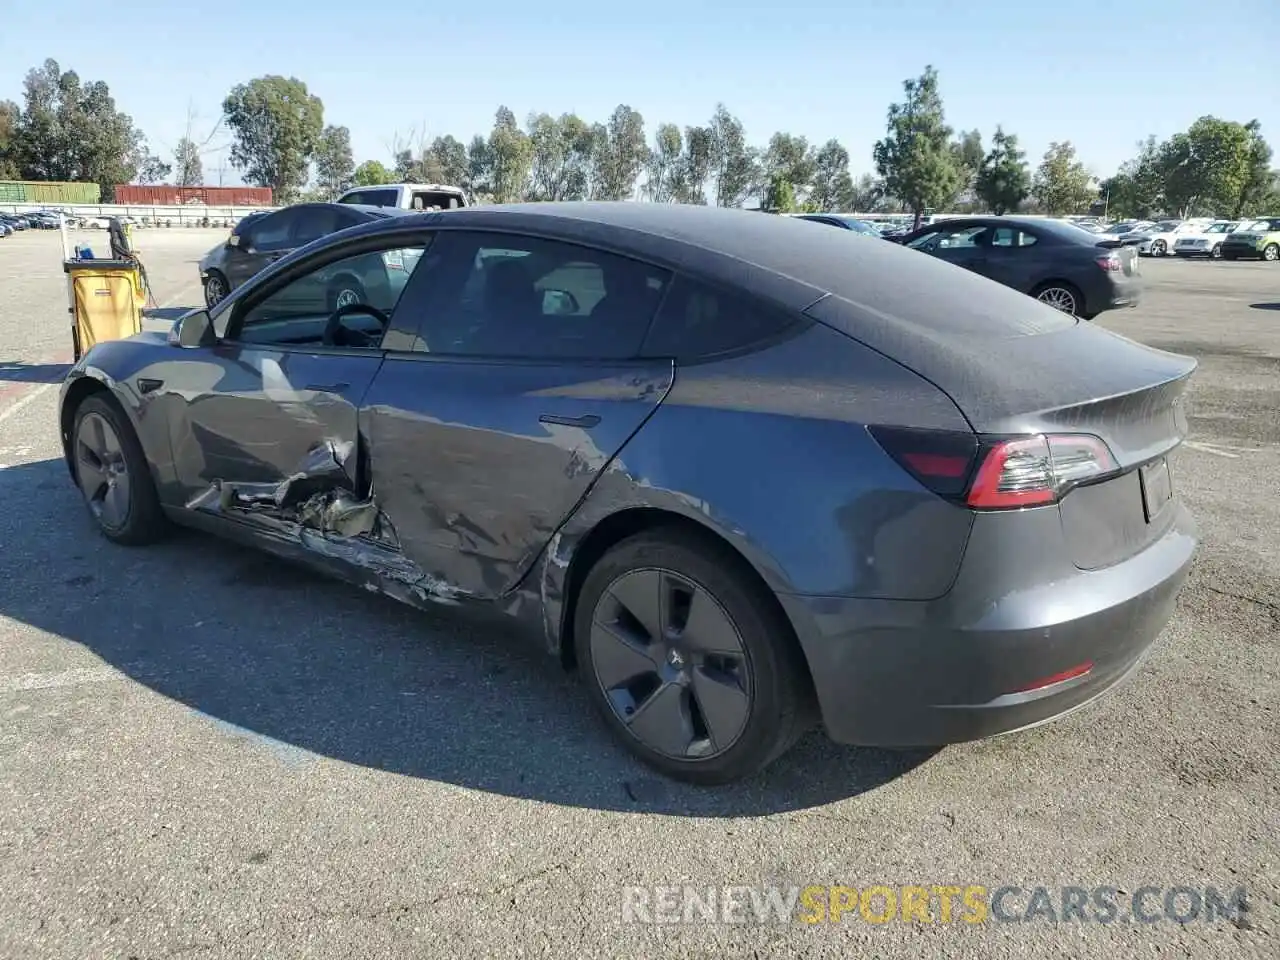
column 742, row 475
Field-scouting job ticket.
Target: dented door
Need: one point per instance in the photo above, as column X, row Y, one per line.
column 475, row 464
column 262, row 413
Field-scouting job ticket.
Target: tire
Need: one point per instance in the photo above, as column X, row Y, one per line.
column 345, row 290
column 1216, row 252
column 1271, row 252
column 758, row 687
column 1055, row 293
column 1158, row 248
column 110, row 460
column 216, row 288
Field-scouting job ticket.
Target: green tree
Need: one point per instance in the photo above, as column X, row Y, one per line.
column 69, row 130
column 276, row 124
column 189, row 170
column 151, row 169
column 1003, row 180
column 779, row 195
column 1258, row 173
column 9, row 116
column 1137, row 189
column 449, row 156
column 371, row 173
column 695, row 165
column 664, row 171
column 832, row 185
column 335, row 165
column 870, row 196
column 479, row 181
column 563, row 156
column 1208, row 168
column 792, row 159
column 967, row 151
column 621, row 156
column 733, row 163
column 916, row 159
column 1062, row 184
column 512, row 155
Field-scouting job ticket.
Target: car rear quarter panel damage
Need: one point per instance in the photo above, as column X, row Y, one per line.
column 770, row 451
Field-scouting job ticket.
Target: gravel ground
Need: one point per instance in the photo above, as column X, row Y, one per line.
column 206, row 754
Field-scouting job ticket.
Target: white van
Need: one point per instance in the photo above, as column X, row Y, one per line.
column 408, row 196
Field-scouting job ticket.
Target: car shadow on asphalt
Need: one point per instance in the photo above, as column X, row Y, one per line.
column 306, row 667
column 18, row 371
column 1265, row 306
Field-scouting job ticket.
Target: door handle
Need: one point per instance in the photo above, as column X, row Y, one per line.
column 587, row 421
column 148, row 385
column 326, row 387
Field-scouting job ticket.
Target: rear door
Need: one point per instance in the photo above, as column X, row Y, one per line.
column 520, row 387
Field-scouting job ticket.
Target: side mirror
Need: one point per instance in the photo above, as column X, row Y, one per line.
column 233, row 240
column 193, row 330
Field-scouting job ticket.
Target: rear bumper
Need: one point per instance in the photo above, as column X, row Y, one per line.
column 899, row 673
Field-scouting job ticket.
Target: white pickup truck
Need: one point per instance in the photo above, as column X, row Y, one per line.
column 408, row 196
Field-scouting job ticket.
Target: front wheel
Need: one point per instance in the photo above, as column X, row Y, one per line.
column 1216, row 252
column 1271, row 253
column 693, row 670
column 1158, row 249
column 216, row 289
column 113, row 474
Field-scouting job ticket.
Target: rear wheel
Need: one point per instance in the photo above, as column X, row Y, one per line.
column 113, row 475
column 687, row 663
column 1271, row 252
column 1061, row 296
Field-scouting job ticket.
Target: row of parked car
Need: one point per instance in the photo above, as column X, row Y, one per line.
column 1201, row 237
column 11, row 223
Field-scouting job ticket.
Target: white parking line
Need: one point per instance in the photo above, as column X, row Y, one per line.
column 1213, row 449
column 23, row 402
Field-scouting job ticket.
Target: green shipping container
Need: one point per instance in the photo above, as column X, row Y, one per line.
column 39, row 191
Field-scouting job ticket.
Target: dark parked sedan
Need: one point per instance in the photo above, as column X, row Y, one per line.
column 843, row 222
column 739, row 472
column 1065, row 266
column 260, row 239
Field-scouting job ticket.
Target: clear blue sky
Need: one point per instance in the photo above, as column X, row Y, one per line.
column 1102, row 73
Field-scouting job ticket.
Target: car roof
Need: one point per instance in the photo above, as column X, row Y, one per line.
column 781, row 259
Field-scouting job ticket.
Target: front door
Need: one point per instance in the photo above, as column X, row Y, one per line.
column 517, row 393
column 277, row 398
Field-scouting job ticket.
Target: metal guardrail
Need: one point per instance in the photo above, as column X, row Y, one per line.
column 185, row 215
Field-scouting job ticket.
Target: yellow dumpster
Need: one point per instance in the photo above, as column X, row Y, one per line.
column 107, row 297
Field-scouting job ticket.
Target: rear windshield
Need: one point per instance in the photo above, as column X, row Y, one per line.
column 426, row 199
column 373, row 198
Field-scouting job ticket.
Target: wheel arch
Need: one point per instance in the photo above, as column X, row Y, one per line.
column 616, row 527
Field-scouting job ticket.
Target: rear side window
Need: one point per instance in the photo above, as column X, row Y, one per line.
column 444, row 199
column 314, row 223
column 699, row 322
column 503, row 295
column 1010, row 237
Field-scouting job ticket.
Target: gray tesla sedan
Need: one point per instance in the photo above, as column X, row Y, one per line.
column 742, row 474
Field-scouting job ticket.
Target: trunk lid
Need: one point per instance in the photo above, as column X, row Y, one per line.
column 1015, row 366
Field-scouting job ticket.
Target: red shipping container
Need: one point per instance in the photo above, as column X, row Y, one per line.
column 164, row 194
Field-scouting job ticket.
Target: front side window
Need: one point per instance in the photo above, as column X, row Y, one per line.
column 344, row 303
column 962, row 239
column 314, row 223
column 527, row 297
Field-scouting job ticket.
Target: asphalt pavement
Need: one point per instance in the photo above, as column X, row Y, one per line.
column 205, row 753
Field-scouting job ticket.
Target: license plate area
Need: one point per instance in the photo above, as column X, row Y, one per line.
column 1157, row 487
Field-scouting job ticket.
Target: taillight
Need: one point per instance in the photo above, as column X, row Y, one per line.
column 1110, row 263
column 997, row 473
column 1029, row 471
column 941, row 460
